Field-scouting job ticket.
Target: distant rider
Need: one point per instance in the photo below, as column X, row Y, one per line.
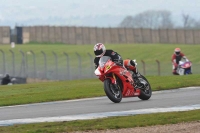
column 176, row 57
column 100, row 50
column 6, row 80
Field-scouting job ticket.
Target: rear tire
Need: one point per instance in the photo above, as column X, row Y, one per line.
column 146, row 91
column 113, row 93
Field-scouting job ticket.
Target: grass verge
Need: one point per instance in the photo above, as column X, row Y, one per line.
column 75, row 89
column 106, row 123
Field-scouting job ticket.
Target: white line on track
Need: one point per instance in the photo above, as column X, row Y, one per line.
column 97, row 115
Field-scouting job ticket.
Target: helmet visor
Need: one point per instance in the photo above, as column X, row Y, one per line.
column 177, row 53
column 98, row 53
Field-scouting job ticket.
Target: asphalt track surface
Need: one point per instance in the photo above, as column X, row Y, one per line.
column 161, row 100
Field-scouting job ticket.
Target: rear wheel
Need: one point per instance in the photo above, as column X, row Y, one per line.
column 146, row 91
column 112, row 91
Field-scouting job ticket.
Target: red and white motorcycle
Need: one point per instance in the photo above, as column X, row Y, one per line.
column 184, row 67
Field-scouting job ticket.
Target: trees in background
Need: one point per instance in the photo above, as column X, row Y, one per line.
column 157, row 19
column 189, row 22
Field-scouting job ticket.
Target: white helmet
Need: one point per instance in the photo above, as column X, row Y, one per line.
column 99, row 49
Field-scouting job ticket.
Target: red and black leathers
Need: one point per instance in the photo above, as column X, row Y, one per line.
column 175, row 61
column 114, row 56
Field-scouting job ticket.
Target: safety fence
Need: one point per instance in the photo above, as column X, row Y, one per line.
column 62, row 66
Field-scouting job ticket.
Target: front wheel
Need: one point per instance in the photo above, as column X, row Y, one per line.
column 146, row 91
column 112, row 91
column 187, row 71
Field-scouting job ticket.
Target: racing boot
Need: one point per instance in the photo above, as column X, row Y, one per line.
column 131, row 65
column 135, row 77
column 174, row 72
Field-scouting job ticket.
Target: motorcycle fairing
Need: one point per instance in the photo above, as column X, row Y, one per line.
column 186, row 65
column 109, row 69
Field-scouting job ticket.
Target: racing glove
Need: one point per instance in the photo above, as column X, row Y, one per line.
column 175, row 65
column 119, row 62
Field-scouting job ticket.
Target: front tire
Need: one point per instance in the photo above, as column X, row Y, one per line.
column 113, row 93
column 146, row 91
column 187, row 71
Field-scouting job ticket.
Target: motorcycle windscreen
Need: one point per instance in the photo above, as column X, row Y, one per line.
column 103, row 61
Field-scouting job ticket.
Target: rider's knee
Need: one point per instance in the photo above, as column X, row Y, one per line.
column 132, row 62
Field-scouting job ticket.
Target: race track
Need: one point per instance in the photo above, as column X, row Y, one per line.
column 162, row 101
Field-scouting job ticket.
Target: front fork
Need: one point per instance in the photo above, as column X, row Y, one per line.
column 114, row 82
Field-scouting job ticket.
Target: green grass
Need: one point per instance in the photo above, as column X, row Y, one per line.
column 146, row 52
column 149, row 53
column 74, row 89
column 106, row 123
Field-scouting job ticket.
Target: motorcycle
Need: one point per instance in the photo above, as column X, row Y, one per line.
column 118, row 81
column 184, row 67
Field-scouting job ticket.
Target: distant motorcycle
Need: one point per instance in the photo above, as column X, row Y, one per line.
column 118, row 81
column 184, row 67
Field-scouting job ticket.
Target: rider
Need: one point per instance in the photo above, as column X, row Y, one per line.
column 176, row 57
column 100, row 50
column 6, row 80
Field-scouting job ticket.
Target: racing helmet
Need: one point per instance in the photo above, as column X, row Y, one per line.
column 99, row 49
column 177, row 51
column 7, row 75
